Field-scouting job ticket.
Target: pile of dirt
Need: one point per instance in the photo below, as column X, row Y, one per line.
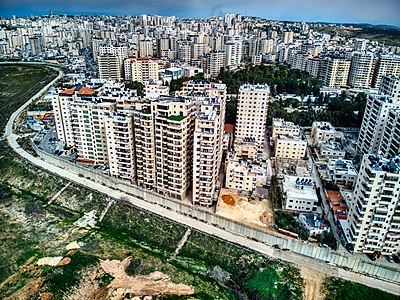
column 228, row 199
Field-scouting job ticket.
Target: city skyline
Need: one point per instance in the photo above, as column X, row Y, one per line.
column 358, row 11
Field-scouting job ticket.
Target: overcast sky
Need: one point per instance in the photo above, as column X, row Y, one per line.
column 357, row 11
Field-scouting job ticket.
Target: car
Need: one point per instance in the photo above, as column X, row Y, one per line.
column 371, row 256
column 396, row 259
column 323, row 245
column 350, row 249
column 389, row 258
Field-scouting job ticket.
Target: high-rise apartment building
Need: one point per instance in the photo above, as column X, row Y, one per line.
column 390, row 143
column 390, row 85
column 385, row 65
column 213, row 62
column 120, row 146
column 141, row 69
column 361, row 70
column 374, row 214
column 374, row 123
column 110, row 67
column 233, row 51
column 207, row 150
column 252, row 113
column 335, row 71
column 89, row 130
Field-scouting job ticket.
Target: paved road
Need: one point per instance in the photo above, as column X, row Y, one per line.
column 301, row 261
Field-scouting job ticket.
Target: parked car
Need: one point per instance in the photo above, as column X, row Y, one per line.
column 389, row 258
column 350, row 249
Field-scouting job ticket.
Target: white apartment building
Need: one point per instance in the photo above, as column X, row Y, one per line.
column 361, row 70
column 141, row 69
column 289, row 146
column 282, row 127
column 331, row 150
column 299, row 194
column 335, row 72
column 313, row 66
column 374, row 123
column 390, row 143
column 341, row 172
column 154, row 89
column 390, row 85
column 120, row 146
column 233, row 52
column 207, row 150
column 322, row 131
column 374, row 215
column 88, row 127
column 252, row 113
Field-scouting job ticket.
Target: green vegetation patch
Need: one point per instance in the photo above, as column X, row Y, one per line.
column 59, row 280
column 336, row 289
column 288, row 222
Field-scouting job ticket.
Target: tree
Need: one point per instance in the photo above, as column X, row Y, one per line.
column 136, row 85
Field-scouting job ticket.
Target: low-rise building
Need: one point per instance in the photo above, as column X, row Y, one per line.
column 288, row 146
column 314, row 223
column 322, row 131
column 331, row 150
column 282, row 127
column 341, row 172
column 299, row 194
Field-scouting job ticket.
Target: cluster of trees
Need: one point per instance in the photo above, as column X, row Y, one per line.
column 341, row 111
column 288, row 222
column 279, row 78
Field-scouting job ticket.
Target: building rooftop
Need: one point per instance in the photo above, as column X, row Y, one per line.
column 341, row 166
column 229, row 127
column 281, row 123
column 380, row 164
column 331, row 146
column 325, row 126
column 300, row 187
column 254, row 87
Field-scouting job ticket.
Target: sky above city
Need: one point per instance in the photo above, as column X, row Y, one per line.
column 346, row 11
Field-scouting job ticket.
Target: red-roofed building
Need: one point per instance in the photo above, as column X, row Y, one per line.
column 68, row 92
column 86, row 91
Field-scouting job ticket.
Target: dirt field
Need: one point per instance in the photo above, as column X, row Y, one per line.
column 252, row 210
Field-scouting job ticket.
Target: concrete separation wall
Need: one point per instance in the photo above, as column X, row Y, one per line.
column 339, row 259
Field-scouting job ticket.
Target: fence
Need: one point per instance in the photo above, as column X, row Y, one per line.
column 340, row 259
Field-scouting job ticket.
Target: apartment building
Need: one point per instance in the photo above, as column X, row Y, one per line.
column 299, row 194
column 341, row 172
column 88, row 125
column 213, row 62
column 174, row 123
column 331, row 150
column 282, row 127
column 252, row 113
column 322, row 132
column 233, row 52
column 207, row 152
column 289, row 146
column 335, row 71
column 154, row 89
column 374, row 123
column 390, row 85
column 245, row 174
column 141, row 69
column 386, row 65
column 110, row 67
column 361, row 70
column 374, row 215
column 120, row 146
column 390, row 143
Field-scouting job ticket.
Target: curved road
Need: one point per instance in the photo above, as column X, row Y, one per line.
column 311, row 265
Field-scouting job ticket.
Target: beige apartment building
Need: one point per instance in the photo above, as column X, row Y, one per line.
column 289, row 146
column 335, row 72
column 110, row 67
column 252, row 113
column 154, row 89
column 282, row 127
column 322, row 132
column 141, row 69
column 120, row 146
column 207, row 152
